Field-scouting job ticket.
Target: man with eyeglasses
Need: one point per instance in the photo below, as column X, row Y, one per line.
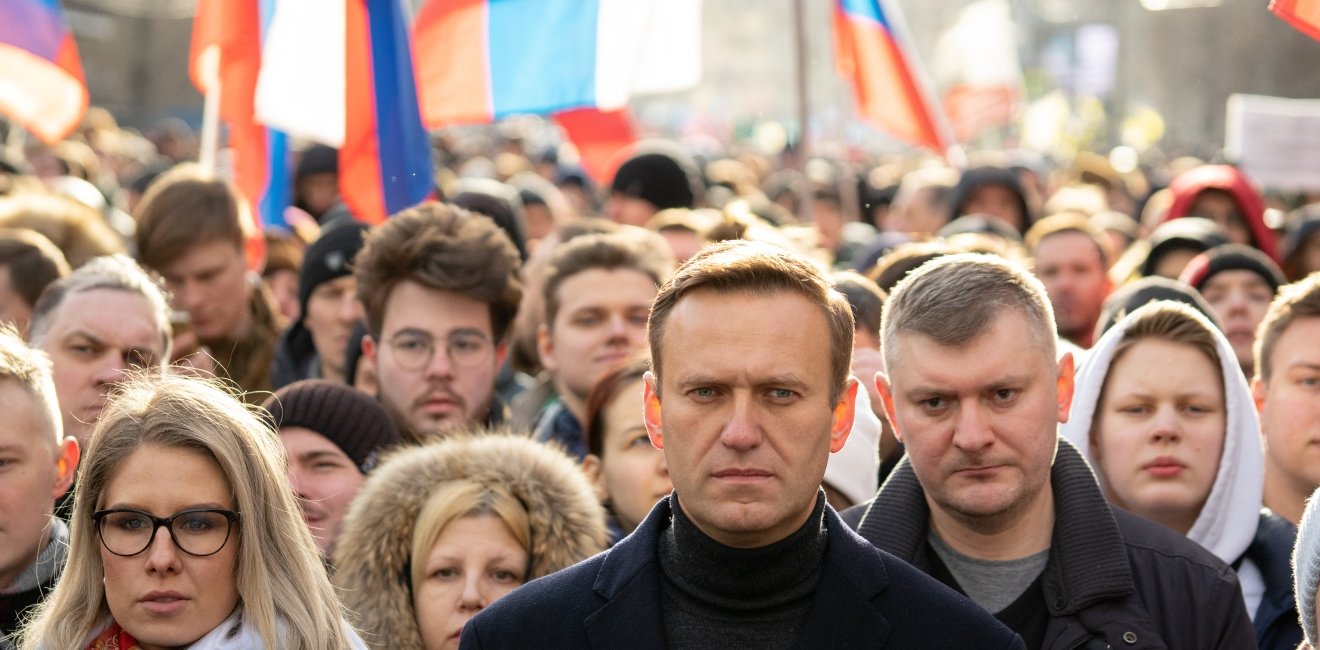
column 37, row 463
column 440, row 287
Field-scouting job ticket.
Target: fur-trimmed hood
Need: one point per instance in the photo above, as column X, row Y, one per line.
column 373, row 551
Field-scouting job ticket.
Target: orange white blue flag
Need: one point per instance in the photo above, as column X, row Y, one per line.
column 41, row 77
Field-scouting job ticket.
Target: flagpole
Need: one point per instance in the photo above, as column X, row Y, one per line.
column 210, row 144
column 803, row 152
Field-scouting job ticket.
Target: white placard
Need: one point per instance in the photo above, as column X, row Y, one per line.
column 1275, row 141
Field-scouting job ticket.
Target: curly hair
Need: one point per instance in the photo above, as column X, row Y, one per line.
column 444, row 248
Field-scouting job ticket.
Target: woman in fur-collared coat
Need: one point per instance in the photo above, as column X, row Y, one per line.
column 442, row 530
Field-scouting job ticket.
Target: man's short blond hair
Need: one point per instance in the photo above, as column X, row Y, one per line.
column 30, row 370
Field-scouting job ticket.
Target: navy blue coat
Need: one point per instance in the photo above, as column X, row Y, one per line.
column 866, row 599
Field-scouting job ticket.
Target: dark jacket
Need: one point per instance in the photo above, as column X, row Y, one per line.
column 559, row 426
column 1277, row 626
column 866, row 599
column 295, row 357
column 1113, row 579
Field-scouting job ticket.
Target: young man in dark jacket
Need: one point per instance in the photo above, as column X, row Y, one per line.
column 749, row 395
column 993, row 503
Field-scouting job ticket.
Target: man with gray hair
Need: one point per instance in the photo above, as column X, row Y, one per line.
column 106, row 319
column 37, row 463
column 992, row 502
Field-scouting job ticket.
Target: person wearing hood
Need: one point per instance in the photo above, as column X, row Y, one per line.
column 314, row 345
column 1224, row 195
column 1306, row 570
column 441, row 531
column 1239, row 282
column 995, row 192
column 1164, row 416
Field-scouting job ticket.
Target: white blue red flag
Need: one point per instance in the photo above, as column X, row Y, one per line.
column 41, row 78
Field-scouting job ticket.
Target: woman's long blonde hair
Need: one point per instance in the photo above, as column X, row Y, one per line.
column 282, row 585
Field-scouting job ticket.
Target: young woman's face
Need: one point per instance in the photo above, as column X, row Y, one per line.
column 1160, row 430
column 475, row 561
column 633, row 474
column 163, row 596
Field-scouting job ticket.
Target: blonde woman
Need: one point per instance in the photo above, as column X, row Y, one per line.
column 441, row 531
column 185, row 533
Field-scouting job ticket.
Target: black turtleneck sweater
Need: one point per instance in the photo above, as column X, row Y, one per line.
column 715, row 596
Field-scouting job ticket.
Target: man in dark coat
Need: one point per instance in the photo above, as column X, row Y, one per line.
column 994, row 504
column 745, row 552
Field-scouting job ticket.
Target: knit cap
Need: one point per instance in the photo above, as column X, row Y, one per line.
column 1306, row 566
column 354, row 421
column 330, row 257
column 662, row 174
column 1231, row 257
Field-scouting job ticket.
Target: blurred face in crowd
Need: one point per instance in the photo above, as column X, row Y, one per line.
column 284, row 284
column 35, row 469
column 325, row 480
column 601, row 320
column 1240, row 298
column 1220, row 207
column 1159, row 431
column 628, row 210
column 1070, row 266
column 743, row 411
column 332, row 311
column 475, row 561
column 319, row 192
column 1289, row 405
column 95, row 338
column 163, row 596
column 919, row 213
column 437, row 359
column 13, row 308
column 996, row 201
column 1171, row 263
column 209, row 281
column 631, row 475
column 980, row 420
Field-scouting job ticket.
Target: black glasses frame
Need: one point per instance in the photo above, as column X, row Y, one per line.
column 168, row 522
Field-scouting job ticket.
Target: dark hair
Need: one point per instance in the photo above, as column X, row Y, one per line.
column 33, row 262
column 185, row 207
column 604, row 391
column 867, row 299
column 444, row 248
column 608, row 252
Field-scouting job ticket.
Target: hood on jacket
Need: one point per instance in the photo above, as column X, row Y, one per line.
column 373, row 554
column 1231, row 513
column 975, row 179
column 1188, row 185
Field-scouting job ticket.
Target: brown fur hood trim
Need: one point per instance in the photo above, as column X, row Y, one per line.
column 372, row 554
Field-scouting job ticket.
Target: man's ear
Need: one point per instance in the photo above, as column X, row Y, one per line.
column 844, row 414
column 1067, row 384
column 887, row 399
column 66, row 466
column 591, row 467
column 1258, row 392
column 545, row 347
column 369, row 348
column 651, row 410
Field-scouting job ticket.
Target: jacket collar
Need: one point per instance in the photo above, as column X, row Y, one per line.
column 629, row 579
column 1088, row 560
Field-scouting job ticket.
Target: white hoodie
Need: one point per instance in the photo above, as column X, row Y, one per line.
column 1228, row 520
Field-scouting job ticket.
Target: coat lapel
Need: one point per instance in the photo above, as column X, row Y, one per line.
column 629, row 581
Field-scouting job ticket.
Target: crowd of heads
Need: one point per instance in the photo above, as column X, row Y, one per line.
column 350, row 429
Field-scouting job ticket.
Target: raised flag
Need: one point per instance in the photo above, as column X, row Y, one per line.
column 871, row 54
column 340, row 72
column 1302, row 14
column 600, row 137
column 225, row 58
column 42, row 86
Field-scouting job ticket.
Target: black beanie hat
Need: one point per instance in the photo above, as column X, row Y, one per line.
column 1188, row 233
column 1131, row 297
column 665, row 176
column 1231, row 257
column 317, row 159
column 329, row 258
column 346, row 416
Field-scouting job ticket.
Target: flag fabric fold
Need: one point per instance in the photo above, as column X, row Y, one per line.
column 871, row 54
column 1302, row 14
column 42, row 85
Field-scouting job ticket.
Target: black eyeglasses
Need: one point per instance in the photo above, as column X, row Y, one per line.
column 199, row 532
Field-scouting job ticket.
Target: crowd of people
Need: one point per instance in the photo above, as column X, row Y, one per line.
column 717, row 401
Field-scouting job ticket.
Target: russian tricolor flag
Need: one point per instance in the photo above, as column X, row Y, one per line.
column 225, row 58
column 41, row 77
column 871, row 54
column 340, row 72
column 1302, row 14
column 580, row 60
